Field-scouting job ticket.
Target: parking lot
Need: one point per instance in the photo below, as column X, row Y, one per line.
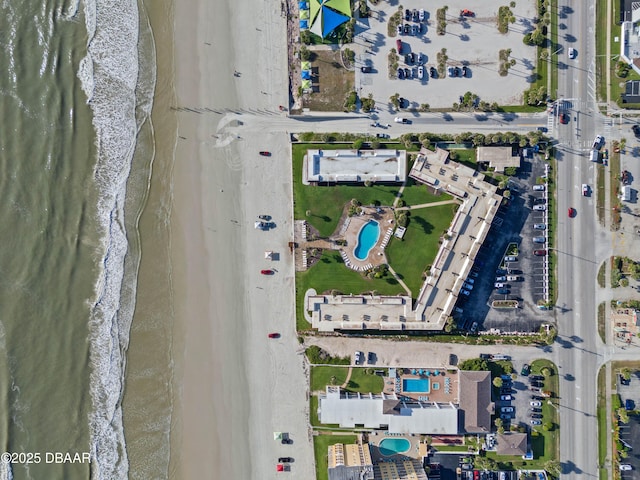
column 507, row 267
column 630, row 432
column 523, row 391
column 470, row 41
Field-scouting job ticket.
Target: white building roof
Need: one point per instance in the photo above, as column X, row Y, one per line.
column 356, row 166
column 378, row 411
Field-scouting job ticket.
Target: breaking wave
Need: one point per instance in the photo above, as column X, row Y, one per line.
column 120, row 96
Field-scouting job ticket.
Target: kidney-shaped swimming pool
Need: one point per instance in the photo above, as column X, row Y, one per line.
column 392, row 446
column 367, row 238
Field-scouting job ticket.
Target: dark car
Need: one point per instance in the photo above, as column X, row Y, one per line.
column 465, row 71
column 539, row 253
column 457, row 72
column 536, row 415
column 412, row 57
column 285, row 459
column 536, row 397
column 264, row 153
column 407, row 73
column 624, row 381
column 416, row 15
column 264, row 217
column 536, row 410
column 433, row 72
column 365, row 69
column 407, row 29
column 536, row 377
column 371, row 357
column 485, row 356
column 564, row 118
column 571, row 212
column 629, row 404
column 407, row 14
column 274, row 335
column 525, row 370
column 502, row 291
column 400, row 73
column 636, row 130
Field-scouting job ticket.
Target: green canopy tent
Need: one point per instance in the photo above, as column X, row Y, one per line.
column 304, row 14
column 305, row 65
column 306, row 84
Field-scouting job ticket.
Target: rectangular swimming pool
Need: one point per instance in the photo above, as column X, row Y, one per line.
column 415, row 385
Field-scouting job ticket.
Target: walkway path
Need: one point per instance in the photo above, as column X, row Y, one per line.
column 346, row 382
column 427, row 205
column 399, row 195
column 608, row 54
column 395, row 275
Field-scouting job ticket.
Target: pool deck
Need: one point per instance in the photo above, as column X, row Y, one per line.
column 438, row 395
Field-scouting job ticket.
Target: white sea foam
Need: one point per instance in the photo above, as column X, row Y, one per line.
column 109, row 76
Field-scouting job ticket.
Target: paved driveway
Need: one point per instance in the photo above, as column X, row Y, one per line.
column 474, row 42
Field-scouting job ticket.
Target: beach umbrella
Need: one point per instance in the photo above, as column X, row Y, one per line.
column 303, row 6
column 304, row 14
column 327, row 15
column 304, row 24
column 306, row 75
column 306, row 84
column 305, row 65
column 277, row 435
column 280, row 467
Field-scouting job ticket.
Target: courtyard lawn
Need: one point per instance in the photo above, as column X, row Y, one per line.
column 331, row 273
column 364, row 382
column 325, row 204
column 321, row 448
column 411, row 256
column 321, row 377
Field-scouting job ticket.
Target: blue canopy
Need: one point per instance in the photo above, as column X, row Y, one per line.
column 306, row 75
column 304, row 24
column 303, row 6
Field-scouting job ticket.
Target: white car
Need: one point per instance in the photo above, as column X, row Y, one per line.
column 358, row 357
column 572, row 53
column 539, row 226
column 538, row 188
column 535, row 404
column 474, row 327
column 501, row 278
column 505, row 398
column 506, row 409
column 597, row 143
column 400, row 120
column 585, row 190
column 420, row 72
column 498, row 285
column 625, row 467
column 421, row 15
column 540, row 208
column 465, row 292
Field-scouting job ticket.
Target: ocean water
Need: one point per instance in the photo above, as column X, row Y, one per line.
column 74, row 111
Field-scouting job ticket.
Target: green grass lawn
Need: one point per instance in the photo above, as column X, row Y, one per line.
column 331, row 273
column 320, row 448
column 410, row 257
column 321, row 377
column 602, row 63
column 364, row 382
column 325, row 204
column 360, row 380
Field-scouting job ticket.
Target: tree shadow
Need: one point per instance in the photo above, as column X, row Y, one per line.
column 426, row 226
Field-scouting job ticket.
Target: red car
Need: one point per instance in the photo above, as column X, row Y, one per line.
column 399, row 46
column 267, row 272
column 539, row 253
column 571, row 212
column 265, row 153
column 564, row 118
column 275, row 335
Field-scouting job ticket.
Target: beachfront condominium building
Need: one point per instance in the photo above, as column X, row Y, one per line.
column 350, row 462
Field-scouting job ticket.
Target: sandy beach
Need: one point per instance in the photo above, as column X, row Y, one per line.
column 233, row 385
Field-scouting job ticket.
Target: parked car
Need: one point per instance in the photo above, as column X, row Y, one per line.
column 267, row 272
column 457, row 71
column 539, row 188
column 572, row 53
column 371, row 357
column 536, row 377
column 536, row 422
column 365, row 69
column 505, row 416
column 470, row 280
column 264, row 153
column 407, row 29
column 465, row 292
column 451, row 71
column 585, row 190
column 536, row 397
column 571, row 212
column 422, row 16
column 411, row 57
column 535, row 404
column 510, row 258
column 540, row 208
column 498, row 285
column 625, row 467
column 539, row 253
column 274, row 335
column 474, row 327
column 285, row 459
column 264, row 217
column 536, row 415
column 539, row 226
column 525, row 370
column 501, row 278
column 473, row 274
column 466, row 13
column 468, row 286
column 416, row 15
column 358, row 357
column 420, row 72
column 400, row 73
column 636, row 130
column 400, row 120
column 539, row 240
column 433, row 73
column 629, row 404
column 465, row 71
column 417, row 29
column 400, row 30
column 502, row 291
column 399, row 46
column 407, row 15
column 564, row 118
column 506, row 398
column 506, row 409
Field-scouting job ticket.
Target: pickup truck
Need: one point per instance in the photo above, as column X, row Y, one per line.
column 597, row 142
column 593, row 155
